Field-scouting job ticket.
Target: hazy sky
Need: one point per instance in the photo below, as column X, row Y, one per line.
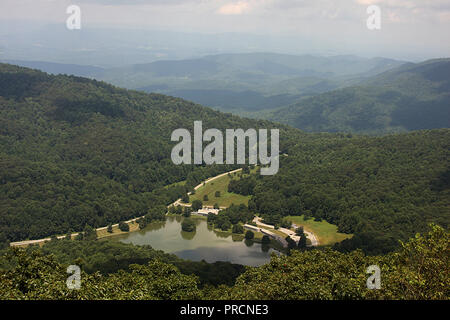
column 413, row 28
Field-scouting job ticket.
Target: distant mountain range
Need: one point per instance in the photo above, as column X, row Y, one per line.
column 59, row 68
column 410, row 97
column 234, row 82
column 313, row 93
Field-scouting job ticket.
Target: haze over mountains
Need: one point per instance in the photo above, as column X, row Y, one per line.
column 247, row 81
column 313, row 93
column 410, row 97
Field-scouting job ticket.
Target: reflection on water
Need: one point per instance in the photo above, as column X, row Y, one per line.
column 248, row 242
column 203, row 244
column 188, row 235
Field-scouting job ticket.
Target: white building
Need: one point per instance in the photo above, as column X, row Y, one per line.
column 205, row 211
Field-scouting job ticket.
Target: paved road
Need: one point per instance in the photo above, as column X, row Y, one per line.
column 280, row 239
column 310, row 235
column 257, row 220
column 178, row 202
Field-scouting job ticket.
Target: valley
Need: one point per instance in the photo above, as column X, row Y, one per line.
column 224, row 159
column 80, row 157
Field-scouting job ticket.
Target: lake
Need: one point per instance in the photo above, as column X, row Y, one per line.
column 203, row 244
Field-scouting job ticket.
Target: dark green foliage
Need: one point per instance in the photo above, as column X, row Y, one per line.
column 302, row 242
column 110, row 256
column 216, row 273
column 217, row 194
column 285, row 223
column 108, row 161
column 46, row 279
column 205, row 197
column 197, row 204
column 381, row 189
column 185, row 198
column 222, row 222
column 291, row 243
column 328, row 274
column 310, row 274
column 237, row 228
column 237, row 213
column 76, row 151
column 265, row 239
column 242, row 186
column 249, row 235
column 211, row 217
column 4, row 243
column 109, row 229
column 158, row 213
column 231, row 216
column 89, row 233
column 124, row 226
column 187, row 212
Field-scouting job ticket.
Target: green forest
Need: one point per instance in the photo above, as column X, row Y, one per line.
column 75, row 151
column 419, row 270
column 77, row 154
column 381, row 189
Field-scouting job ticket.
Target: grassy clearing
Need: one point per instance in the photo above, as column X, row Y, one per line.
column 226, row 198
column 324, row 231
column 134, row 226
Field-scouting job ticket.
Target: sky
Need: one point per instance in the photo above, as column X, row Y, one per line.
column 415, row 29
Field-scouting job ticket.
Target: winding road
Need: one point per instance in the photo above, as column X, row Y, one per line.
column 257, row 220
column 289, row 232
column 178, row 202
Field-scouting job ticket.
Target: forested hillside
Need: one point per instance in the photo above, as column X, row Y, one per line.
column 107, row 257
column 78, row 152
column 75, row 151
column 381, row 189
column 410, row 97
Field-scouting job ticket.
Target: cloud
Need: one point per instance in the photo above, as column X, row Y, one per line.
column 135, row 2
column 234, row 8
column 368, row 2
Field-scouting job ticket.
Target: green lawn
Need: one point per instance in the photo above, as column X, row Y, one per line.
column 324, row 231
column 226, row 198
